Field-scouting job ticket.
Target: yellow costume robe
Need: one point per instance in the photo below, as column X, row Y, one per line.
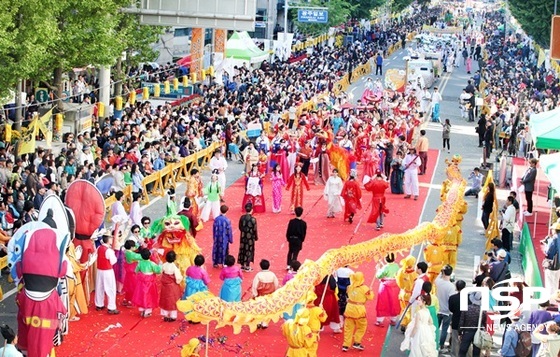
column 298, row 334
column 355, row 322
column 405, row 280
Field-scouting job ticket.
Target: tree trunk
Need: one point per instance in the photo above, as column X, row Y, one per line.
column 19, row 105
column 58, row 88
column 119, row 77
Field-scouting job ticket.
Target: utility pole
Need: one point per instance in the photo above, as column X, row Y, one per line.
column 286, row 19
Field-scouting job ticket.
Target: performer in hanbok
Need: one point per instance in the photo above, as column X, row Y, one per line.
column 197, row 278
column 388, row 298
column 254, row 190
column 131, row 261
column 332, row 192
column 322, row 166
column 171, row 279
column 194, row 191
column 296, row 182
column 292, row 148
column 352, row 195
column 370, row 159
column 223, row 237
column 397, row 174
column 146, row 291
column 213, row 194
column 377, row 187
column 263, row 162
column 232, row 277
column 327, row 297
column 278, row 182
column 219, row 164
column 411, row 164
column 278, row 156
column 251, row 157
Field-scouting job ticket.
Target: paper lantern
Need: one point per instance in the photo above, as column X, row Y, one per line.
column 100, row 110
column 118, row 103
column 145, row 93
column 211, row 71
column 185, row 81
column 157, row 90
column 167, row 87
column 59, row 120
column 132, row 97
column 193, row 77
column 176, row 83
column 203, row 74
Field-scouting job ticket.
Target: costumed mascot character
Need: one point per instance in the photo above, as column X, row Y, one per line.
column 53, row 213
column 173, row 233
column 88, row 207
column 41, row 311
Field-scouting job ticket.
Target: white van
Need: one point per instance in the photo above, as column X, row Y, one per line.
column 420, row 68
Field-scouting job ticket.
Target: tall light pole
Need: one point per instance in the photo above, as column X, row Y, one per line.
column 285, row 19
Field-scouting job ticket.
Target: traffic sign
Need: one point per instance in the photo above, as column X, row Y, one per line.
column 313, row 16
column 42, row 95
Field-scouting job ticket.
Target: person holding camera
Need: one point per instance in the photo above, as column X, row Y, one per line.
column 444, row 288
column 476, row 177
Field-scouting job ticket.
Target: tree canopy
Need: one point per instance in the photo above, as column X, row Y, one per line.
column 534, row 16
column 66, row 34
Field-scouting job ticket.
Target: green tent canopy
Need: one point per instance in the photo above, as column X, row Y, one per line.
column 241, row 47
column 551, row 167
column 545, row 129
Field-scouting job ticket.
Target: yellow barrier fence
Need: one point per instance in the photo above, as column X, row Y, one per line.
column 168, row 177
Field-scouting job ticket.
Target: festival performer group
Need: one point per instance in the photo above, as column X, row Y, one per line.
column 344, row 151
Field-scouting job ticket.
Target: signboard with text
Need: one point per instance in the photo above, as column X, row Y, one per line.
column 311, row 16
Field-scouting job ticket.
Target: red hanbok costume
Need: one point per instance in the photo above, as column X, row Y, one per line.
column 361, row 145
column 254, row 192
column 352, row 194
column 377, row 187
column 370, row 160
column 146, row 292
column 330, row 303
column 296, row 182
column 131, row 261
column 263, row 163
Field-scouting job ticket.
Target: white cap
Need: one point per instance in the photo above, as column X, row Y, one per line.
column 502, row 253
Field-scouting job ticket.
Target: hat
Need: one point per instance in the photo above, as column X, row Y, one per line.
column 556, row 226
column 378, row 173
column 86, row 147
column 353, row 173
column 7, row 333
column 475, row 298
column 502, row 253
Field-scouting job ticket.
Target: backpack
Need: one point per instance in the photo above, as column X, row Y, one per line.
column 524, row 344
